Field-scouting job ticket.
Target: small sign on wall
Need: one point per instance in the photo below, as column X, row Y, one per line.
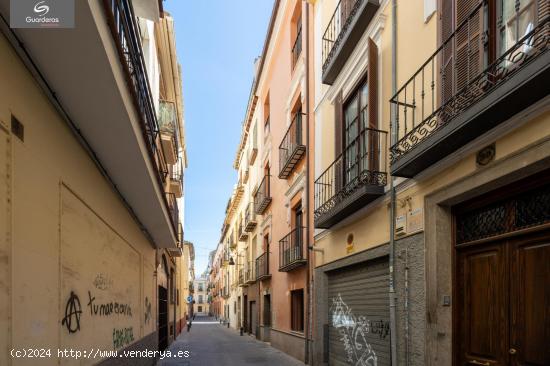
column 415, row 220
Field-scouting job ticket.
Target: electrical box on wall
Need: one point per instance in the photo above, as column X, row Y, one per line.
column 401, row 225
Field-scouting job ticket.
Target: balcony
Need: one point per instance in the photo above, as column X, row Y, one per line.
column 250, row 221
column 343, row 32
column 168, row 124
column 262, row 267
column 444, row 107
column 250, row 274
column 345, row 187
column 262, row 198
column 292, row 148
column 243, row 234
column 231, row 242
column 173, row 208
column 175, row 183
column 241, row 282
column 291, row 250
column 297, row 47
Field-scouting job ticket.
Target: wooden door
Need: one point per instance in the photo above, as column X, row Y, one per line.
column 482, row 293
column 504, row 302
column 530, row 301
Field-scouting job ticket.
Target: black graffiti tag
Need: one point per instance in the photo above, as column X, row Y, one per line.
column 72, row 314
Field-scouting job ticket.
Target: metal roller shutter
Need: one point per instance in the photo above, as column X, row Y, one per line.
column 359, row 327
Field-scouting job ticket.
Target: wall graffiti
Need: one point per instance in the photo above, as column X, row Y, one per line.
column 108, row 308
column 73, row 310
column 147, row 310
column 122, row 337
column 353, row 332
column 102, row 282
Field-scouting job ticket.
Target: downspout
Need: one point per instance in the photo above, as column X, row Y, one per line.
column 393, row 325
column 307, row 205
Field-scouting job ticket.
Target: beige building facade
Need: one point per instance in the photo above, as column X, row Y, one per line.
column 424, row 150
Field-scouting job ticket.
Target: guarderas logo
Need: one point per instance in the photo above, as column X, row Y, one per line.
column 41, row 8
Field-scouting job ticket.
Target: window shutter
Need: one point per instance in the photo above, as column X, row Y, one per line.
column 468, row 42
column 447, row 26
column 372, row 84
column 338, row 124
column 338, row 131
column 544, row 10
column 372, row 80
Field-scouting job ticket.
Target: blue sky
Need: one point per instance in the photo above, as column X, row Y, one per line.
column 217, row 42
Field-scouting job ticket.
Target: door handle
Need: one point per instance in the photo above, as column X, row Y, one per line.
column 481, row 363
column 512, row 351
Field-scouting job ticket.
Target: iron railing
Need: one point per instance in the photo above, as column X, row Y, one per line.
column 125, row 30
column 241, row 277
column 177, row 174
column 262, row 266
column 297, row 47
column 250, row 273
column 173, row 208
column 291, row 248
column 250, row 217
column 243, row 234
column 262, row 198
column 292, row 147
column 336, row 28
column 168, row 122
column 350, row 172
column 459, row 74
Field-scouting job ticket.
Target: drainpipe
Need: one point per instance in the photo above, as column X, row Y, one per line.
column 308, row 167
column 393, row 326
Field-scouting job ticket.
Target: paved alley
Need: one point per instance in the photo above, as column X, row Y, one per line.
column 210, row 343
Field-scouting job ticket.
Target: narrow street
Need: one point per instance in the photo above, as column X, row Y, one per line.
column 210, row 343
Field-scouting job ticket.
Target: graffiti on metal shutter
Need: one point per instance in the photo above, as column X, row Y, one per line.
column 353, row 333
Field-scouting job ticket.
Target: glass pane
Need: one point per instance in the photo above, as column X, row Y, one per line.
column 351, row 111
column 516, row 25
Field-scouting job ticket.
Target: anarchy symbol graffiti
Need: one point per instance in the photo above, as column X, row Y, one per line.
column 72, row 314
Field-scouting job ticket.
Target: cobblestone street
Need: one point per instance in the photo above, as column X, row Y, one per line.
column 210, row 343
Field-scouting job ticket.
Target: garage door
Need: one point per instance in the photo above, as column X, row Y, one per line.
column 359, row 327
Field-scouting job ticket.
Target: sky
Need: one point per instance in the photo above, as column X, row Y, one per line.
column 217, row 42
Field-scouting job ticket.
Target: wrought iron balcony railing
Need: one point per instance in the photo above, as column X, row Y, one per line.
column 173, row 209
column 124, row 29
column 262, row 267
column 243, row 234
column 176, row 180
column 345, row 28
column 292, row 148
column 291, row 250
column 262, row 198
column 354, row 179
column 241, row 277
column 250, row 273
column 168, row 124
column 443, row 95
column 250, row 220
column 297, row 47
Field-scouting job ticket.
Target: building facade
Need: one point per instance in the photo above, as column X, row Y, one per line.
column 429, row 208
column 262, row 262
column 200, row 297
column 92, row 169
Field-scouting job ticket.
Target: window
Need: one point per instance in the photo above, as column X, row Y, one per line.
column 200, row 299
column 266, row 116
column 201, row 287
column 357, row 139
column 297, row 310
column 516, row 22
column 296, row 33
column 199, row 309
